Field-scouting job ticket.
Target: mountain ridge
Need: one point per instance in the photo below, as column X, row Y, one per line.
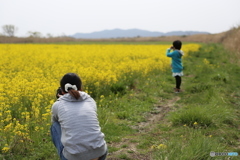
column 129, row 33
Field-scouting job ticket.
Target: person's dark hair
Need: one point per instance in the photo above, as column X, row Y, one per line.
column 72, row 79
column 177, row 44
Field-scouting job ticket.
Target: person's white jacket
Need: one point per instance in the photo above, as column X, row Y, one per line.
column 81, row 134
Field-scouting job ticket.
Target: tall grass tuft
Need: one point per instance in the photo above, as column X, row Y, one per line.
column 191, row 116
column 193, row 145
column 207, row 119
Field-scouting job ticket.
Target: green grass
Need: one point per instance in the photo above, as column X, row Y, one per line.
column 209, row 117
column 204, row 119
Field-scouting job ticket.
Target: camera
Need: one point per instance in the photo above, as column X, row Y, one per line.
column 59, row 92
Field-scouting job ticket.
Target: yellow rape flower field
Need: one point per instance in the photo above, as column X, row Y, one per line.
column 30, row 74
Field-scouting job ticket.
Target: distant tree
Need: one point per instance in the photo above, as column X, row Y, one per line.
column 34, row 34
column 63, row 35
column 9, row 30
column 49, row 35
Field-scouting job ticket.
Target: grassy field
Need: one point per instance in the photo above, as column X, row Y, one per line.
column 157, row 124
column 145, row 119
column 30, row 75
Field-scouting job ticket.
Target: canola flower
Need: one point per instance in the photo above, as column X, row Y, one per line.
column 160, row 146
column 30, row 75
column 5, row 148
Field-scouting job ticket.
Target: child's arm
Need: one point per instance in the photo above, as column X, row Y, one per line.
column 169, row 53
column 54, row 111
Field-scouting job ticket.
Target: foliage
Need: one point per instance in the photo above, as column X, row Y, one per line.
column 30, row 75
column 9, row 30
column 127, row 81
column 207, row 119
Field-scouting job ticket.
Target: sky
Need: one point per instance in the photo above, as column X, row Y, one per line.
column 67, row 17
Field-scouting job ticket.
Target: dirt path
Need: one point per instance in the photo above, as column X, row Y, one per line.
column 128, row 146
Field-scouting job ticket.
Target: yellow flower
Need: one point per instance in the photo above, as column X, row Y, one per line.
column 37, row 128
column 29, row 81
column 161, row 146
column 5, row 148
column 210, row 136
column 185, row 125
column 153, row 146
column 195, row 123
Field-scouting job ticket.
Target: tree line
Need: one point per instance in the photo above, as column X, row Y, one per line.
column 11, row 30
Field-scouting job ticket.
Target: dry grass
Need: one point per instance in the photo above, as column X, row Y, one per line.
column 230, row 39
column 232, row 42
column 202, row 38
column 4, row 39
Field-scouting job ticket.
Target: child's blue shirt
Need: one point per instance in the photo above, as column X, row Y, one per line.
column 176, row 56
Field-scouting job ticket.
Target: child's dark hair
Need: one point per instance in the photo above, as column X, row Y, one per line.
column 72, row 79
column 177, row 44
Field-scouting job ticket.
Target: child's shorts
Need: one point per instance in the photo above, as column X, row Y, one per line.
column 177, row 74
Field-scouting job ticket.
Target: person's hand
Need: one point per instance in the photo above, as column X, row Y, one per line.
column 172, row 47
column 59, row 95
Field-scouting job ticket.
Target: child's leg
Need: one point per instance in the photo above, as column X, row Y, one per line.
column 56, row 138
column 178, row 81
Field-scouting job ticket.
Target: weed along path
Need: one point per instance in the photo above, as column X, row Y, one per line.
column 164, row 125
column 128, row 145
